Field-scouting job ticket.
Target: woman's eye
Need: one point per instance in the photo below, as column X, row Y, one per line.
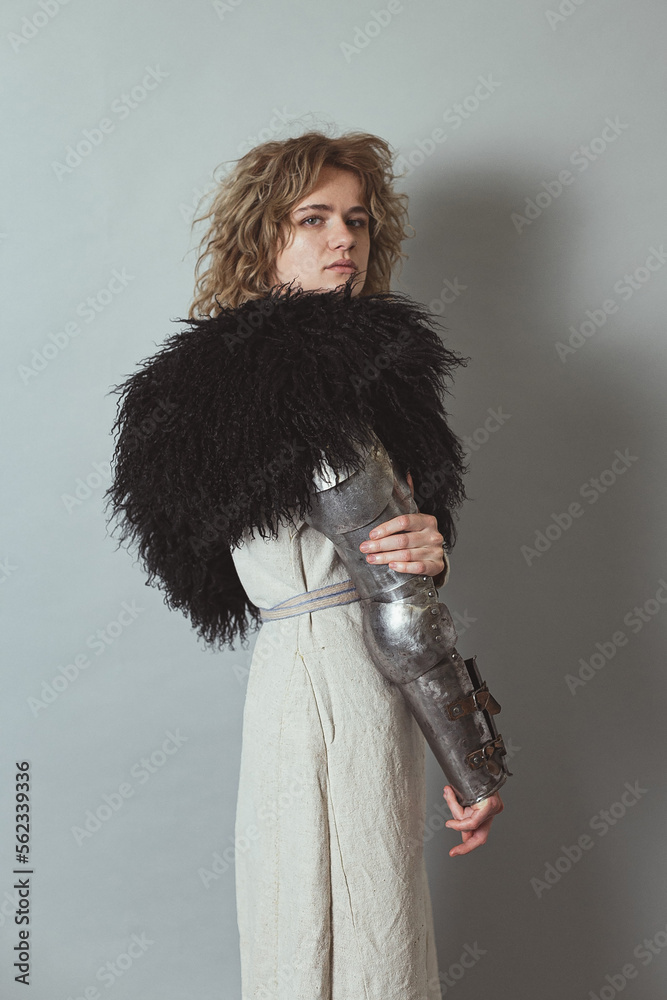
column 358, row 223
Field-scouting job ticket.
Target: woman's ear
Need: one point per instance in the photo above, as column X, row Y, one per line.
column 408, row 479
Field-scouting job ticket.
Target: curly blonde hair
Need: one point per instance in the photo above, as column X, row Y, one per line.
column 251, row 208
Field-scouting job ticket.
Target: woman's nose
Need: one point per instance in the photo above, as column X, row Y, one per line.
column 340, row 235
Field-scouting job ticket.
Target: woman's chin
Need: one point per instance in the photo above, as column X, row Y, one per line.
column 338, row 279
column 328, row 282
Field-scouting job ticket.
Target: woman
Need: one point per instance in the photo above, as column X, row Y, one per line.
column 294, row 346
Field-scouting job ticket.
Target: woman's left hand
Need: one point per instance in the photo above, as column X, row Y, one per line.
column 473, row 822
column 417, row 549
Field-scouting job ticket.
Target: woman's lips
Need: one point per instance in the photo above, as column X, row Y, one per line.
column 341, row 267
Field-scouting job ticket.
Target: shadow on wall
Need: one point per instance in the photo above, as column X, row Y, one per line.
column 545, row 576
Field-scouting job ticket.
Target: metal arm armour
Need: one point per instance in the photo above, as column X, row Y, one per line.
column 409, row 634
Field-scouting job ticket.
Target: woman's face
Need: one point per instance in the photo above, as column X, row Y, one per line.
column 328, row 225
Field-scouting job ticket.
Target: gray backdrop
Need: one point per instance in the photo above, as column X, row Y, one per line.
column 532, row 136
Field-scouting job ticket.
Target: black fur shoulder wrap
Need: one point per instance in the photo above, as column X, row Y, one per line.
column 222, row 429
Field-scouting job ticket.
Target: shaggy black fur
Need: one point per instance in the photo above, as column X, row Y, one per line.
column 221, row 430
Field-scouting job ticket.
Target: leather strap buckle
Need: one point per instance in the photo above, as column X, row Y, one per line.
column 485, row 753
column 480, row 699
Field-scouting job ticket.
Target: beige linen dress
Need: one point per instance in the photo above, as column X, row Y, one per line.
column 332, row 897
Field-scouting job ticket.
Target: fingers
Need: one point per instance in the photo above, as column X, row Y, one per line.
column 390, row 554
column 419, row 550
column 455, row 807
column 471, row 841
column 420, row 559
column 479, row 813
column 418, row 568
column 472, row 822
column 404, row 522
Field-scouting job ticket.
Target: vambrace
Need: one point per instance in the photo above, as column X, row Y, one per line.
column 409, row 634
